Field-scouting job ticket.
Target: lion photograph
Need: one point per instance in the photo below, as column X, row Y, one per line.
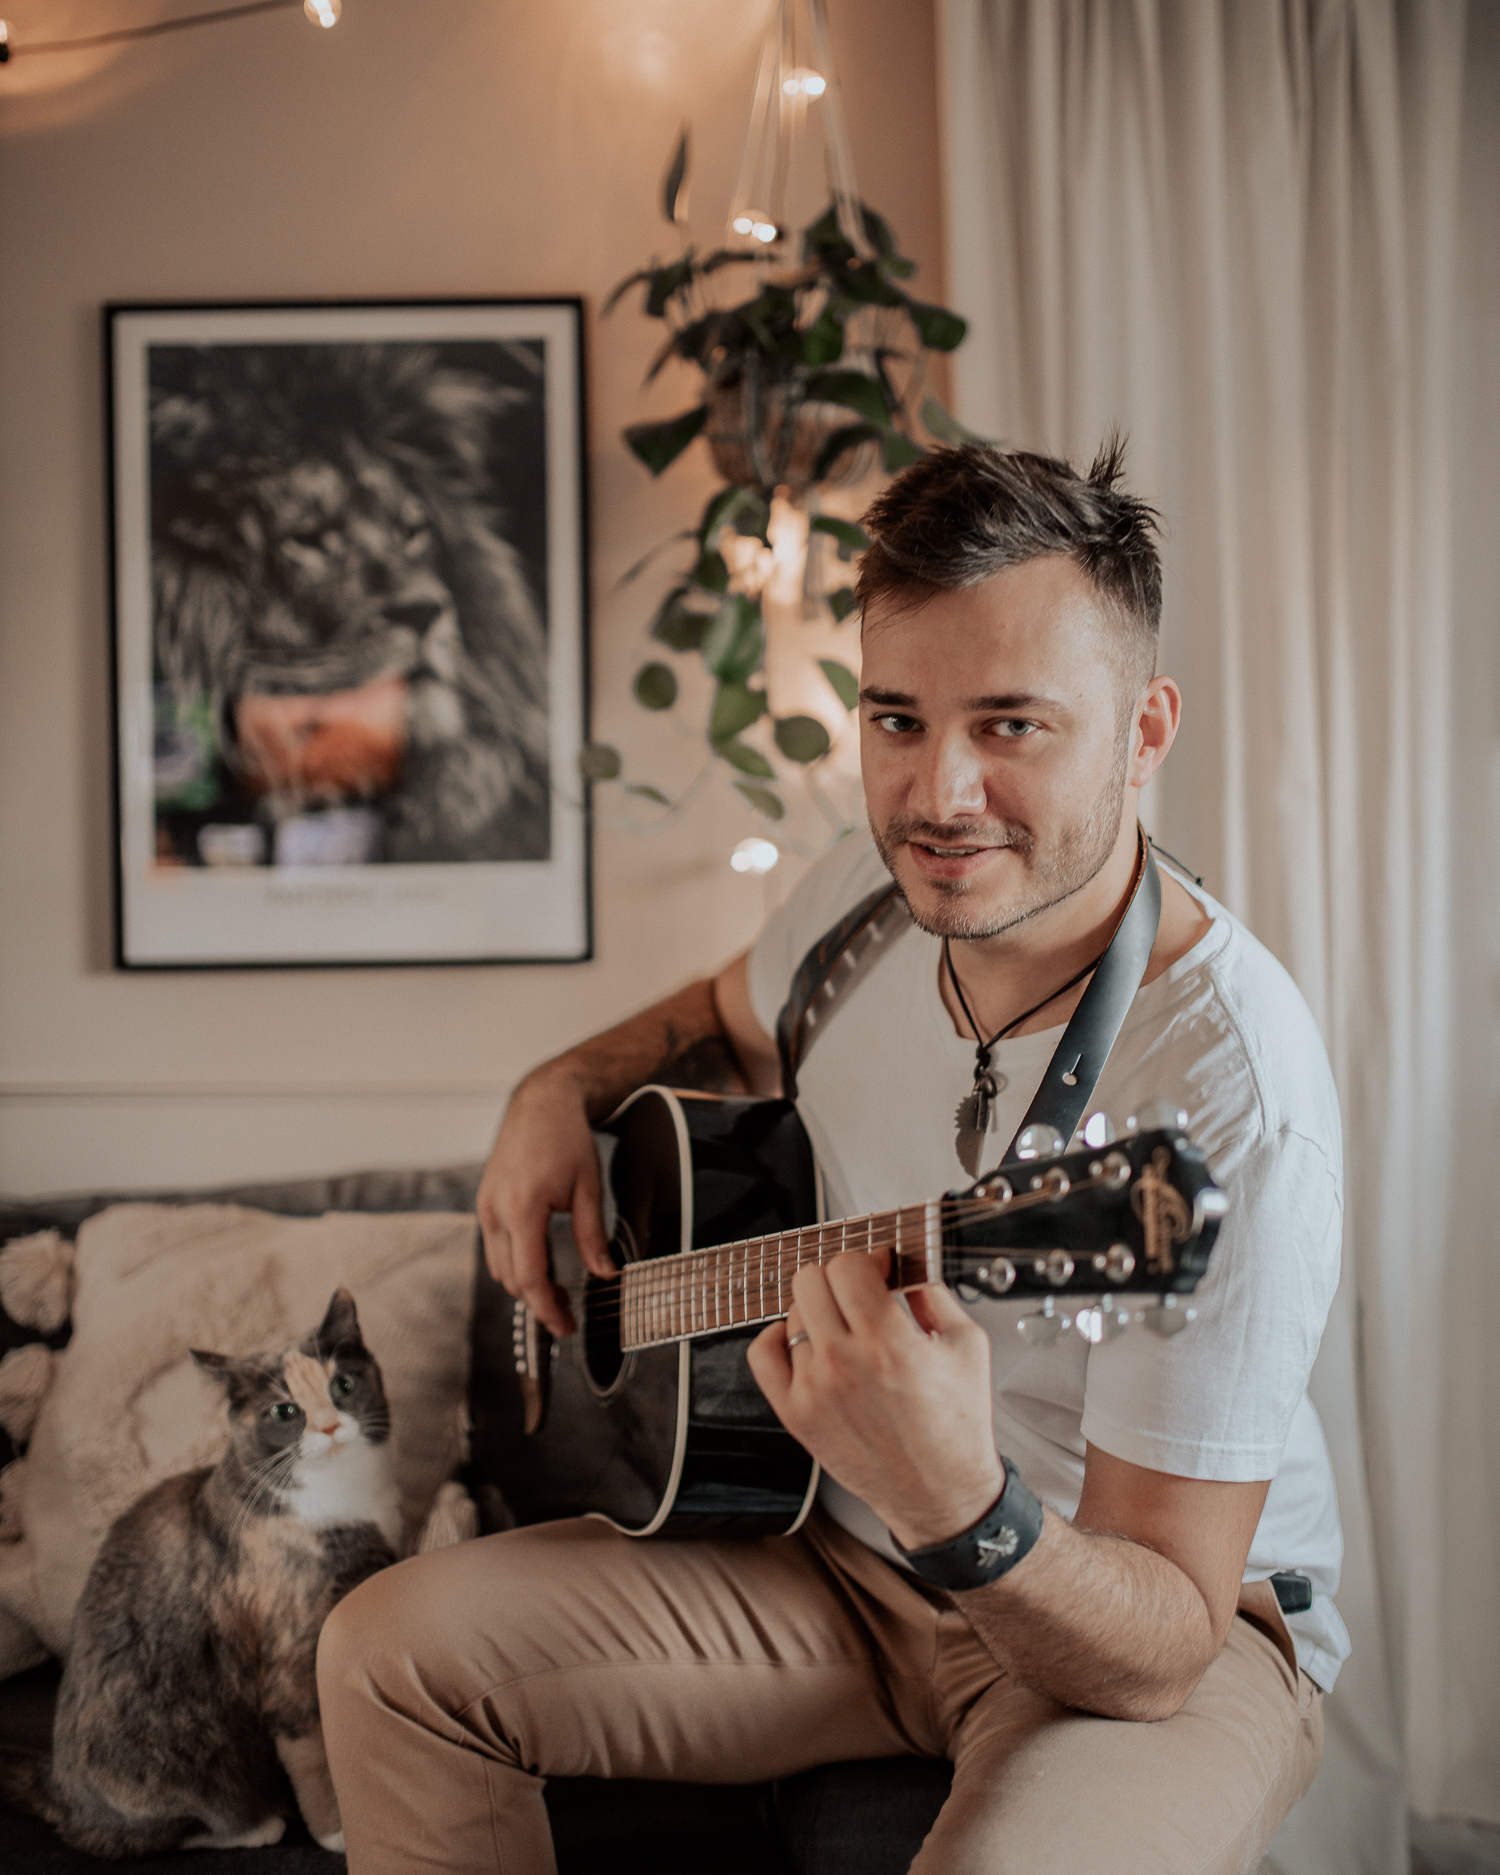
column 348, row 564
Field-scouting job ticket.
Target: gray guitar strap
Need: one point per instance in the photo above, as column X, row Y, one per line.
column 845, row 955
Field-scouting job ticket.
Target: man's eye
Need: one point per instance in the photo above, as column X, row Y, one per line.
column 897, row 725
column 1012, row 728
column 283, row 1410
column 341, row 1386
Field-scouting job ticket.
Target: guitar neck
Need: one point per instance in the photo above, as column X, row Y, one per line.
column 740, row 1285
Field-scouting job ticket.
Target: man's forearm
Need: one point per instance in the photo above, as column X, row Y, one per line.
column 1096, row 1622
column 680, row 1041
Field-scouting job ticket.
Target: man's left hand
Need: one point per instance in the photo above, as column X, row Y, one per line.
column 893, row 1401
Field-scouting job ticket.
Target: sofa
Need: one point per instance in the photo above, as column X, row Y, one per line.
column 859, row 1819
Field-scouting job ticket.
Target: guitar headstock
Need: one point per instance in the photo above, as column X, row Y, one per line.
column 1136, row 1216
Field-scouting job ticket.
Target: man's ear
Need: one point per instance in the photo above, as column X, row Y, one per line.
column 340, row 1326
column 1157, row 715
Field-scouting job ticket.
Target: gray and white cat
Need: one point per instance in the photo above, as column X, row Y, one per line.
column 189, row 1695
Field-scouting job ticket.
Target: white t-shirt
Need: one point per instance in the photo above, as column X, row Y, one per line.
column 1226, row 1034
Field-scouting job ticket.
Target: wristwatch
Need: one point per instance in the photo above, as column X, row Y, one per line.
column 1006, row 1532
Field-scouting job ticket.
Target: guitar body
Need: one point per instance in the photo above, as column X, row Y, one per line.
column 679, row 1439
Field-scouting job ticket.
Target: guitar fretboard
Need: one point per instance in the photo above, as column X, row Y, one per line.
column 738, row 1285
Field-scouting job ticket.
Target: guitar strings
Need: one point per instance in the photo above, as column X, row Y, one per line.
column 664, row 1286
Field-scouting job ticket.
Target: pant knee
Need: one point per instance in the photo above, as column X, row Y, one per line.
column 351, row 1643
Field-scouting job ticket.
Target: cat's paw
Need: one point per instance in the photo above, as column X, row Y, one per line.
column 334, row 1843
column 261, row 1837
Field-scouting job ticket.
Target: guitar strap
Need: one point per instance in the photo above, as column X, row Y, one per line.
column 845, row 955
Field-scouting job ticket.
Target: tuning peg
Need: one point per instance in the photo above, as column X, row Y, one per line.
column 1040, row 1331
column 1102, row 1323
column 1162, row 1116
column 1098, row 1130
column 1040, row 1141
column 1170, row 1318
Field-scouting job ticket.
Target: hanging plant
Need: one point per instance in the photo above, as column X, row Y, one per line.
column 808, row 385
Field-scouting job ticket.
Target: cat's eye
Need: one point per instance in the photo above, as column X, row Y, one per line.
column 341, row 1386
column 283, row 1410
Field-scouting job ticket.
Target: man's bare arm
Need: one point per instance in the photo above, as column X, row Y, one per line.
column 543, row 1160
column 1119, row 1612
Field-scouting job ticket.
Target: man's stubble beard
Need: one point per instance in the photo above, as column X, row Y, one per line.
column 1077, row 856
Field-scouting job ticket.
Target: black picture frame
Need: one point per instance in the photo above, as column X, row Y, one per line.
column 349, row 579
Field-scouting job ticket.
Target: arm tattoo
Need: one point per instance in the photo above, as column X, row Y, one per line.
column 707, row 1062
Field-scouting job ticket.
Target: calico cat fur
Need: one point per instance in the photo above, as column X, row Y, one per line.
column 189, row 1698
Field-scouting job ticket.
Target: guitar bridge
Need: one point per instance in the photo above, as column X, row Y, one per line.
column 534, row 1350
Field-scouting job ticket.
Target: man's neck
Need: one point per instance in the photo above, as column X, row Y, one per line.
column 1005, row 975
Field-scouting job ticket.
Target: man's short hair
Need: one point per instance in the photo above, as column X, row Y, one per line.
column 962, row 515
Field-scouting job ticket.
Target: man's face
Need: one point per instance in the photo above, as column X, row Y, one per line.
column 994, row 746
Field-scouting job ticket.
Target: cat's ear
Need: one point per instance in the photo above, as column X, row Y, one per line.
column 214, row 1364
column 340, row 1326
column 224, row 1368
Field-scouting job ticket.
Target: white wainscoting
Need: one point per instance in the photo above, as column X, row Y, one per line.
column 153, row 1137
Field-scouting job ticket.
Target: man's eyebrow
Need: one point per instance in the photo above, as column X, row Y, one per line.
column 900, row 700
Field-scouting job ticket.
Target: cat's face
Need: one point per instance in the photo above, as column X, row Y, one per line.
column 306, row 1404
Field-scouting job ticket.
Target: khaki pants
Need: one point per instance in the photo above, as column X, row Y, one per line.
column 453, row 1684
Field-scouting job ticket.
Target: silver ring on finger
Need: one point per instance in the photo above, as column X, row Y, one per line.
column 795, row 1340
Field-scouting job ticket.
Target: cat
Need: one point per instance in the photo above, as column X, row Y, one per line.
column 189, row 1697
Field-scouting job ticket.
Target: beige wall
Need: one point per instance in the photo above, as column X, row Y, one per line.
column 423, row 148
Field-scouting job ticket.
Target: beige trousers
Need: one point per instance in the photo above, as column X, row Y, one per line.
column 453, row 1684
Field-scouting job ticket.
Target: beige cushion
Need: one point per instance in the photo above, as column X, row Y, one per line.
column 128, row 1407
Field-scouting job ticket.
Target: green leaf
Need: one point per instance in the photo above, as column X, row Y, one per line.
column 747, row 760
column 683, row 533
column 937, row 328
column 947, row 428
column 856, row 390
column 740, row 508
column 762, row 800
column 841, row 440
column 823, row 340
column 677, row 625
column 735, row 708
column 844, row 682
column 734, row 641
column 665, row 282
column 659, row 444
column 630, row 280
column 802, row 738
column 655, row 687
column 647, row 793
column 900, row 450
column 711, row 572
column 847, row 533
column 673, row 194
column 868, row 284
column 841, row 603
column 597, row 761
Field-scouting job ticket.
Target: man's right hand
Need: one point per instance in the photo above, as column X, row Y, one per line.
column 543, row 1161
column 705, row 1035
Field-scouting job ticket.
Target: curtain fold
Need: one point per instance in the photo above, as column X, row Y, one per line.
column 1235, row 230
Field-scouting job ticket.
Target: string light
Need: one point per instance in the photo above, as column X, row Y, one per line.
column 755, row 855
column 804, row 83
column 320, row 12
column 753, row 222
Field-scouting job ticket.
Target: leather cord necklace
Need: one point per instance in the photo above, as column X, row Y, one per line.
column 1091, row 1031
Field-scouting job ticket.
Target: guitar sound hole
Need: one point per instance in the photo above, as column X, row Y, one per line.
column 603, row 1357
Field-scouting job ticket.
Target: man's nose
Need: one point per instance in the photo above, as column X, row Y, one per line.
column 950, row 782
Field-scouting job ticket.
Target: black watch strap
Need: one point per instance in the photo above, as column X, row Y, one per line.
column 1006, row 1532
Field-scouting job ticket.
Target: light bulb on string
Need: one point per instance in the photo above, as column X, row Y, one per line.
column 755, row 855
column 804, row 82
column 754, row 224
column 4, row 42
column 323, row 12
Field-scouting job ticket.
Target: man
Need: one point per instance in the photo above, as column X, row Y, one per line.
column 1124, row 1694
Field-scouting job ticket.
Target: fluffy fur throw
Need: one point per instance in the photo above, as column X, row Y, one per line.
column 124, row 1406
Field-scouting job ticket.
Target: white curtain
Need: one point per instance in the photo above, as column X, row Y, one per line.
column 1254, row 233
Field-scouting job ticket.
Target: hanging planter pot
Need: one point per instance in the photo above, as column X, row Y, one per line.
column 769, row 437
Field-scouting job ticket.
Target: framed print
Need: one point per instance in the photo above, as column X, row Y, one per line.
column 349, row 633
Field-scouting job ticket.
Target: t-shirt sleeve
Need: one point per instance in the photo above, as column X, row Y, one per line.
column 1216, row 1401
column 832, row 885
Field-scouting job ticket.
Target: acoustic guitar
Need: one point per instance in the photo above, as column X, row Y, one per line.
column 713, row 1205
